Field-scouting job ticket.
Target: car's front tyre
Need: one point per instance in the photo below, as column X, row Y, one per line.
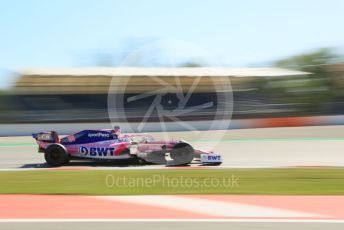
column 56, row 155
column 182, row 154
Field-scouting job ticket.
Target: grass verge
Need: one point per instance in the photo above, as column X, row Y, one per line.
column 290, row 181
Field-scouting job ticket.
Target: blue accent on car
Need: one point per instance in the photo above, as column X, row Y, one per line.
column 89, row 136
column 96, row 151
column 50, row 140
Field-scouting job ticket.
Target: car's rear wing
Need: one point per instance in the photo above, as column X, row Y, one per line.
column 51, row 137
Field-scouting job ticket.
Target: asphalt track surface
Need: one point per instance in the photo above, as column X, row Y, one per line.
column 267, row 147
column 245, row 148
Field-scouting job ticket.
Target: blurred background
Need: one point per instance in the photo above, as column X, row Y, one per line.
column 58, row 59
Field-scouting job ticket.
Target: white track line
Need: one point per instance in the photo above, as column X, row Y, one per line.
column 211, row 207
column 163, row 167
column 258, row 220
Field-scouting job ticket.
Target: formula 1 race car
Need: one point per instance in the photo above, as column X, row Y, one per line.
column 107, row 144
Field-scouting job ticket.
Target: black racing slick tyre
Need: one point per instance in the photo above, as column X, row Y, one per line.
column 56, row 155
column 182, row 154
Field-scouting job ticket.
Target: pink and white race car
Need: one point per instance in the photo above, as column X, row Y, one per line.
column 106, row 144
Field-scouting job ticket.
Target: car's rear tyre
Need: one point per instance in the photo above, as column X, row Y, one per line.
column 56, row 155
column 182, row 154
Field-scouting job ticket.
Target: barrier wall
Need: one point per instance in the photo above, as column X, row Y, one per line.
column 66, row 128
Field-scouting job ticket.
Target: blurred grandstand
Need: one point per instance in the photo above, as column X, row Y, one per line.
column 80, row 94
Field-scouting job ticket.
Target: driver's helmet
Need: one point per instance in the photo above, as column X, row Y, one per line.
column 117, row 130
